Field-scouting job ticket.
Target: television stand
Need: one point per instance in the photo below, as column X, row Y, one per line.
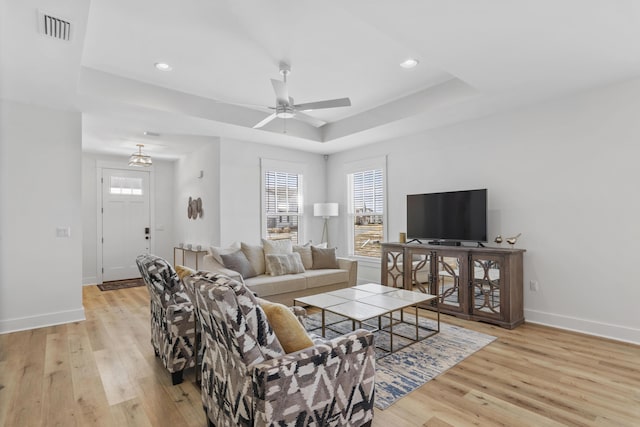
column 472, row 283
column 414, row 240
column 480, row 245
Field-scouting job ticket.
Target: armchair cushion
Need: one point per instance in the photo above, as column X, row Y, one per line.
column 286, row 326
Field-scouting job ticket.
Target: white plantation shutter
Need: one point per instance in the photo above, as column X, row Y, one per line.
column 282, row 204
column 368, row 192
column 366, row 208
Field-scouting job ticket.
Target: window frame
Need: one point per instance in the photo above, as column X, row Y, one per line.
column 281, row 167
column 377, row 163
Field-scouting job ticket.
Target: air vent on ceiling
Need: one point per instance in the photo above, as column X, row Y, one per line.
column 55, row 27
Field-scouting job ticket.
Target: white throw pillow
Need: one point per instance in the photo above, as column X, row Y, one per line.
column 216, row 251
column 255, row 255
column 279, row 264
column 276, row 247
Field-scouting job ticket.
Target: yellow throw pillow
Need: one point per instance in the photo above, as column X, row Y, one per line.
column 286, row 326
column 184, row 271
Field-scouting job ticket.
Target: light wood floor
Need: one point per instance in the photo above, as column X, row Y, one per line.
column 103, row 372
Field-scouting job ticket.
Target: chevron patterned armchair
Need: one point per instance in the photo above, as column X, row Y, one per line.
column 173, row 333
column 248, row 379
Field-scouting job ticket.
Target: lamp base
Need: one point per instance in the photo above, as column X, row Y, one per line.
column 325, row 232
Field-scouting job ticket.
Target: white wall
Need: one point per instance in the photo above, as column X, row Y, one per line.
column 563, row 173
column 162, row 181
column 231, row 193
column 241, row 192
column 201, row 231
column 40, row 173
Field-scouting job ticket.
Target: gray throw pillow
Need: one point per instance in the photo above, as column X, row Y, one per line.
column 237, row 261
column 324, row 258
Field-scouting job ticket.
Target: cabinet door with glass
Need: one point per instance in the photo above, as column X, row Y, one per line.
column 450, row 270
column 488, row 293
column 418, row 269
column 392, row 270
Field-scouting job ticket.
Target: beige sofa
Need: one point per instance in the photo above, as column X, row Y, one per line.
column 285, row 288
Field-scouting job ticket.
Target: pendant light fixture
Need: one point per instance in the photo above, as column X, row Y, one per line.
column 139, row 158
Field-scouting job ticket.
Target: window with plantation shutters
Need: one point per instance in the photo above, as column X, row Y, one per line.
column 367, row 211
column 282, row 204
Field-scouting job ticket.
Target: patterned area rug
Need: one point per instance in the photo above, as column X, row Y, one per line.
column 121, row 284
column 402, row 372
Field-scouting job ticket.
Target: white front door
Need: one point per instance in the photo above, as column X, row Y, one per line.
column 125, row 222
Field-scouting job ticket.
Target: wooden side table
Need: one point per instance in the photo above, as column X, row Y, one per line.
column 185, row 250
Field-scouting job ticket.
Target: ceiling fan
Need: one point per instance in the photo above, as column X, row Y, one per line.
column 286, row 109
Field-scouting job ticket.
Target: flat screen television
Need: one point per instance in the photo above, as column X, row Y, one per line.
column 448, row 218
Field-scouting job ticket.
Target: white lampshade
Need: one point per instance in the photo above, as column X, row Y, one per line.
column 325, row 210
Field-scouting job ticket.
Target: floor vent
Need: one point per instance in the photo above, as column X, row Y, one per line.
column 54, row 27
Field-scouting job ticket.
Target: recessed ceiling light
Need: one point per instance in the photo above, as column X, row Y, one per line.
column 163, row 66
column 149, row 133
column 409, row 63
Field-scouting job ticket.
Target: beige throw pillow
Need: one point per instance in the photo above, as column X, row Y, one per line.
column 275, row 247
column 255, row 255
column 324, row 258
column 183, row 271
column 279, row 264
column 305, row 255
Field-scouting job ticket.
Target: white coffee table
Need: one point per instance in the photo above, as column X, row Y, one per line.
column 370, row 301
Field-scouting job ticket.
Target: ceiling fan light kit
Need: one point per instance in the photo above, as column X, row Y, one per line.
column 286, row 108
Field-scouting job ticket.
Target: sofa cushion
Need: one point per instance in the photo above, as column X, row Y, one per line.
column 317, row 278
column 216, row 251
column 286, row 326
column 265, row 285
column 324, row 258
column 237, row 261
column 283, row 246
column 280, row 264
column 255, row 255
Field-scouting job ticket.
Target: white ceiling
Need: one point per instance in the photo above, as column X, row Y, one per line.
column 476, row 57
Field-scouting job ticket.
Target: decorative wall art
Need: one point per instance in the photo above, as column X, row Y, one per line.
column 194, row 208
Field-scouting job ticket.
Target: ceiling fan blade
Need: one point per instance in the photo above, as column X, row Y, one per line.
column 311, row 120
column 265, row 121
column 331, row 103
column 282, row 94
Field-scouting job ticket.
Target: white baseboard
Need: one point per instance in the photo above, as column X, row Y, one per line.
column 605, row 330
column 41, row 321
column 89, row 280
